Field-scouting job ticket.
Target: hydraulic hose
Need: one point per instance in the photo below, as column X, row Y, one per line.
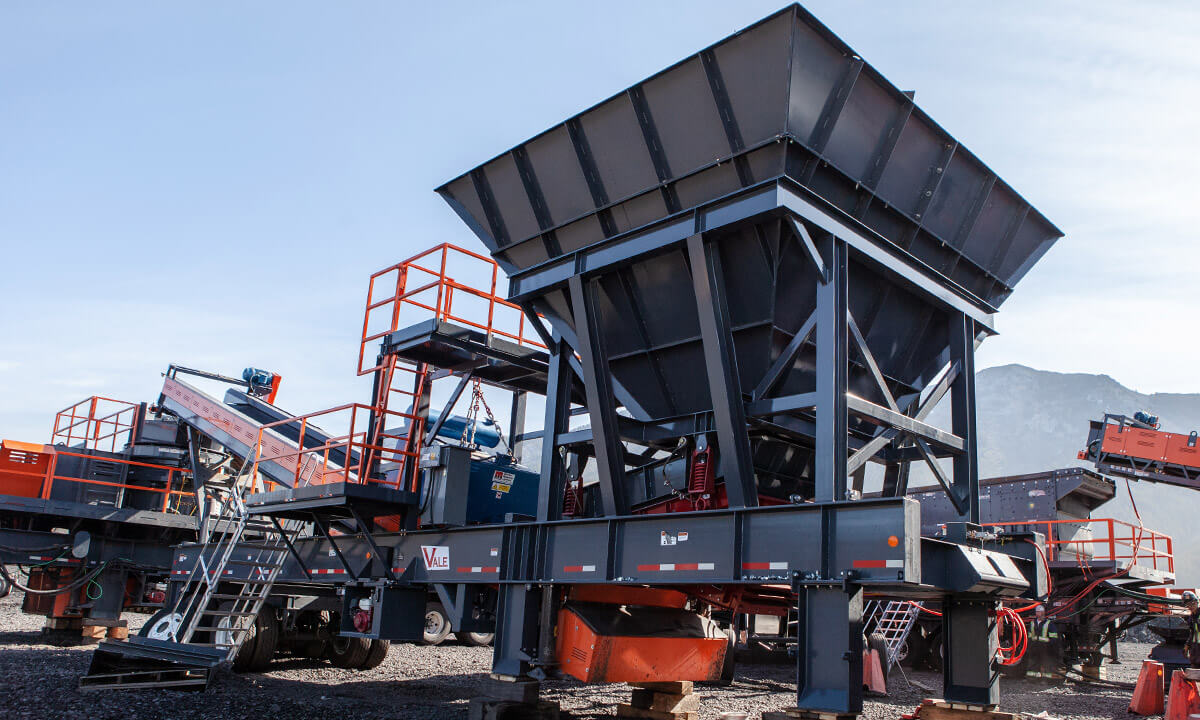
column 73, row 585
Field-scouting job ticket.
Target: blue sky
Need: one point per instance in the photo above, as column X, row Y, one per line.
column 211, row 184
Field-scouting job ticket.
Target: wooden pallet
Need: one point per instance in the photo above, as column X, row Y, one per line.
column 942, row 710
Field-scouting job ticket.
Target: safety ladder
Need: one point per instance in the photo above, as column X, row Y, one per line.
column 232, row 576
column 893, row 620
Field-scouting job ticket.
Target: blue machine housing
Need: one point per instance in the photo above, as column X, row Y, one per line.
column 499, row 486
column 460, row 488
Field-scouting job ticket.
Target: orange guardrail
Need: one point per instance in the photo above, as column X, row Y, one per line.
column 361, row 451
column 1111, row 540
column 29, row 470
column 425, row 283
column 98, row 422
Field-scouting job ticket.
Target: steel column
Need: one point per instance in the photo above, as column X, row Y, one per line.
column 832, row 359
column 558, row 394
column 610, row 454
column 969, row 640
column 720, row 362
column 829, row 648
column 962, row 413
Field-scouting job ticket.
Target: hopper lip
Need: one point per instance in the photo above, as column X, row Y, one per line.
column 803, row 14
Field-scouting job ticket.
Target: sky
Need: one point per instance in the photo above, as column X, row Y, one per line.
column 211, row 184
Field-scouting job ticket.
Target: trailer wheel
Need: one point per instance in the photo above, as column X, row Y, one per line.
column 936, row 656
column 161, row 625
column 376, row 654
column 437, row 625
column 475, row 639
column 5, row 587
column 266, row 639
column 348, row 652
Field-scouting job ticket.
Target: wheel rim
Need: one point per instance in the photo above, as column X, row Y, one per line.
column 165, row 627
column 435, row 624
column 223, row 636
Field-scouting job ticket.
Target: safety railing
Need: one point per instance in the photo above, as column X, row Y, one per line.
column 375, row 455
column 172, row 487
column 1100, row 540
column 99, row 423
column 31, row 471
column 445, row 282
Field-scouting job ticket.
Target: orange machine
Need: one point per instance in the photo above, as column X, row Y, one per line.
column 606, row 642
column 24, row 468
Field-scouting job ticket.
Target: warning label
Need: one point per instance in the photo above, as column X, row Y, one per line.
column 502, row 481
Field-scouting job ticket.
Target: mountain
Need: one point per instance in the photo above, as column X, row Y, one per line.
column 1031, row 420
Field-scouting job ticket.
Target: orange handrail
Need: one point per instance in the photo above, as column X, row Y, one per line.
column 51, row 476
column 405, row 292
column 93, row 421
column 1120, row 541
column 314, row 466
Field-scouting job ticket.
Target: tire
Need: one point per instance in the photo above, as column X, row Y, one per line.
column 160, row 625
column 5, row 587
column 917, row 648
column 936, row 654
column 877, row 642
column 437, row 624
column 265, row 636
column 348, row 652
column 376, row 654
column 475, row 639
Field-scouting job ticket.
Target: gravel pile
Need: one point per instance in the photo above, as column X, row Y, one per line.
column 431, row 683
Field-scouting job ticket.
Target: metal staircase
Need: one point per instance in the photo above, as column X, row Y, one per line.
column 893, row 620
column 232, row 576
column 214, row 612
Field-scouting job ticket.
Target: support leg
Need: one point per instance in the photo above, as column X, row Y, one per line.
column 969, row 641
column 829, row 667
column 516, row 630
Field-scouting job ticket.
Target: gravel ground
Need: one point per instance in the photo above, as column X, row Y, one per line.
column 430, row 683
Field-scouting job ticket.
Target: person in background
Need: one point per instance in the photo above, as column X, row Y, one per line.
column 1044, row 652
column 1192, row 648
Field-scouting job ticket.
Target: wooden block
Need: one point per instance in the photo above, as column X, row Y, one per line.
column 770, row 715
column 628, row 711
column 94, row 632
column 664, row 702
column 942, row 710
column 680, row 687
column 118, row 633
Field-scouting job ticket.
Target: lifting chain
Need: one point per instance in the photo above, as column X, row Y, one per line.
column 477, row 401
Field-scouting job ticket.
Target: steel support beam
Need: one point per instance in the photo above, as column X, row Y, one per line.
column 720, row 362
column 610, row 466
column 786, row 359
column 969, row 639
column 450, row 403
column 832, row 360
column 962, row 413
column 558, row 394
column 912, row 426
column 829, row 649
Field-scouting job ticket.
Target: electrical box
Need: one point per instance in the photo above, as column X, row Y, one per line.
column 458, row 489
